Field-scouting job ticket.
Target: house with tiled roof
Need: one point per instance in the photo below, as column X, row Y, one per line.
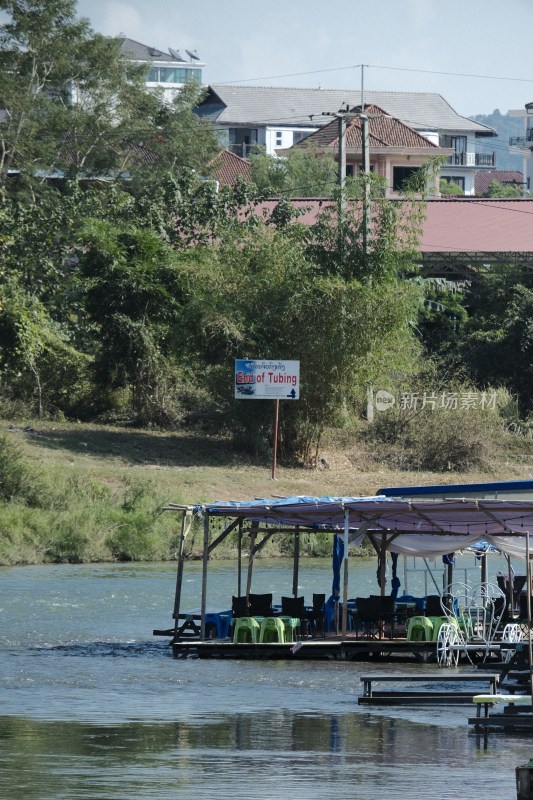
column 395, row 150
column 226, row 168
column 276, row 118
column 483, row 180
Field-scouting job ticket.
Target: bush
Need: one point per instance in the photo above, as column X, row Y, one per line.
column 439, row 440
column 17, row 479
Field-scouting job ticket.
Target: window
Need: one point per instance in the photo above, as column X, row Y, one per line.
column 297, row 136
column 279, row 138
column 400, row 175
column 173, row 75
column 454, row 179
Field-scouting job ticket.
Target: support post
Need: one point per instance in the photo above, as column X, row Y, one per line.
column 510, row 588
column 179, row 573
column 342, row 163
column 204, row 576
column 345, row 575
column 529, row 645
column 239, row 560
column 366, row 191
column 253, row 537
column 275, row 447
column 383, row 563
column 296, row 562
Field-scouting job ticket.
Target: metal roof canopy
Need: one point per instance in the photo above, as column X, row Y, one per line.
column 412, row 527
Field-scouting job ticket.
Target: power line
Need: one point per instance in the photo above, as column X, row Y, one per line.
column 379, row 66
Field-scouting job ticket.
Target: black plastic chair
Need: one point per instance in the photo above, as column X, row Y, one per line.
column 433, row 606
column 239, row 607
column 318, row 615
column 372, row 615
column 261, row 605
column 295, row 607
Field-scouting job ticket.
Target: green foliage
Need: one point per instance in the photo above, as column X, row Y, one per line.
column 304, row 172
column 497, row 341
column 16, row 478
column 36, row 359
column 439, row 439
column 449, row 188
column 497, row 189
column 78, row 109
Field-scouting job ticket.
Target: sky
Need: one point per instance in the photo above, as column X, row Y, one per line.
column 475, row 53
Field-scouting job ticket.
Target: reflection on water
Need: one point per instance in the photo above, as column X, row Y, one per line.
column 275, row 754
column 93, row 707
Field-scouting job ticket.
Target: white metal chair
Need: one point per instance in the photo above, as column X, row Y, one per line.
column 474, row 614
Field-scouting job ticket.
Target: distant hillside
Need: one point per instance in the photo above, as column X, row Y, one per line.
column 506, row 126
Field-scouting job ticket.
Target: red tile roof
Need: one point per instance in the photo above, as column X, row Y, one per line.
column 384, row 131
column 226, row 167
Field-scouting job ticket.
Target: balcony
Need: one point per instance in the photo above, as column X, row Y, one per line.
column 243, row 150
column 472, row 159
column 522, row 141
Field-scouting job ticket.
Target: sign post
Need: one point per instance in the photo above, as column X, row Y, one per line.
column 275, row 446
column 268, row 380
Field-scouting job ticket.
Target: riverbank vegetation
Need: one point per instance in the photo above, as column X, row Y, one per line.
column 79, row 492
column 129, row 284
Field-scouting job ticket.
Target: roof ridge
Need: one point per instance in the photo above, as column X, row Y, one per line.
column 236, row 85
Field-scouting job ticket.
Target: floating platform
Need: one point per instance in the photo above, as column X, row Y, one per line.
column 317, row 649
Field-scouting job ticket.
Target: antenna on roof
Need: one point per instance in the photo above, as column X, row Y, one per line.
column 193, row 54
column 175, row 54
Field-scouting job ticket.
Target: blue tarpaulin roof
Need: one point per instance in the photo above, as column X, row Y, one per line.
column 446, row 524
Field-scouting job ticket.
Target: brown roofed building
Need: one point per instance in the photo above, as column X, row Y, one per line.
column 395, row 149
column 226, row 167
column 483, row 180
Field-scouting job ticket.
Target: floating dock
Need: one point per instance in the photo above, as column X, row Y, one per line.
column 318, row 649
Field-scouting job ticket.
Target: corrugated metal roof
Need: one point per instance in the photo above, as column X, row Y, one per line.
column 465, row 225
column 480, row 225
column 277, row 105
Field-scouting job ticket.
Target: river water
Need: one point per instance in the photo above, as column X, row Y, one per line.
column 93, row 707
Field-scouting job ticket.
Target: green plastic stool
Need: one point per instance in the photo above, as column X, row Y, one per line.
column 246, row 629
column 290, row 625
column 419, row 629
column 272, row 630
column 437, row 623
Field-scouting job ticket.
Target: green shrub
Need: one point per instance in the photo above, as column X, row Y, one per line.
column 438, row 439
column 17, row 479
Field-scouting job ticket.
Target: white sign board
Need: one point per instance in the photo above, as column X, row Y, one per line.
column 267, row 380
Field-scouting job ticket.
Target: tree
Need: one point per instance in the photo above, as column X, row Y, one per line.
column 75, row 107
column 302, row 173
column 497, row 340
column 497, row 189
column 449, row 188
column 37, row 361
column 133, row 294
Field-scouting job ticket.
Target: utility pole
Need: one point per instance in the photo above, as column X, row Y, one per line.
column 365, row 142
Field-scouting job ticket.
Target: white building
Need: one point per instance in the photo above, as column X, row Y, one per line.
column 279, row 117
column 168, row 71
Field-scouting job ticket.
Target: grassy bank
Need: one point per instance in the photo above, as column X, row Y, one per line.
column 95, row 493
